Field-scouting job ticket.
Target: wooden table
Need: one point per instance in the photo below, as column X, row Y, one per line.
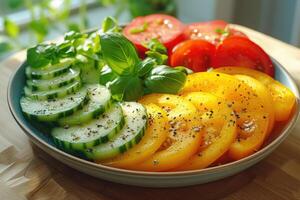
column 36, row 175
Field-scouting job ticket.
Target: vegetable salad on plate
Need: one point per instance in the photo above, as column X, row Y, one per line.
column 155, row 95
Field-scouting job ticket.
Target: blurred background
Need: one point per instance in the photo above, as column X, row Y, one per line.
column 24, row 23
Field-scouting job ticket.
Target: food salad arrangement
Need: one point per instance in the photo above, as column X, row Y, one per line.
column 155, row 95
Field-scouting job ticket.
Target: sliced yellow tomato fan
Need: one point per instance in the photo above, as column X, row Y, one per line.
column 242, row 99
column 184, row 135
column 283, row 98
column 215, row 114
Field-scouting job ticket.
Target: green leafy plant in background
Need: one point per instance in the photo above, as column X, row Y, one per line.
column 45, row 17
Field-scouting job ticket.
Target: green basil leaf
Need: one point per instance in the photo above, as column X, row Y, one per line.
column 110, row 24
column 155, row 45
column 119, row 53
column 37, row 56
column 140, row 29
column 157, row 51
column 65, row 50
column 160, row 59
column 224, row 32
column 146, row 66
column 164, row 79
column 95, row 38
column 127, row 88
column 107, row 75
column 73, row 35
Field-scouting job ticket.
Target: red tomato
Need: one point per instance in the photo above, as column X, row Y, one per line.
column 212, row 31
column 167, row 29
column 193, row 54
column 242, row 52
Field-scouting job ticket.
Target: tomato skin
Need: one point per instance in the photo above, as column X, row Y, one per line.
column 209, row 31
column 193, row 54
column 240, row 51
column 167, row 29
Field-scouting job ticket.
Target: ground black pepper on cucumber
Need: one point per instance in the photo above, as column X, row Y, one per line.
column 82, row 84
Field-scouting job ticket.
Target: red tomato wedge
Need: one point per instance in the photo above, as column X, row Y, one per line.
column 193, row 54
column 167, row 29
column 211, row 31
column 240, row 51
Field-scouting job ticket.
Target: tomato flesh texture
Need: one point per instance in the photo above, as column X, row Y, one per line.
column 218, row 122
column 167, row 29
column 154, row 137
column 242, row 99
column 283, row 97
column 193, row 54
column 240, row 51
column 264, row 95
column 252, row 131
column 211, row 31
column 183, row 140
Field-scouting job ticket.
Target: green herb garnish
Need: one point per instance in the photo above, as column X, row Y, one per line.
column 139, row 29
column 130, row 78
column 164, row 79
column 222, row 31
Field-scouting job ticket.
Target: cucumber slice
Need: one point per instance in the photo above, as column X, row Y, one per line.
column 55, row 93
column 72, row 75
column 49, row 71
column 99, row 102
column 51, row 110
column 90, row 71
column 97, row 131
column 131, row 134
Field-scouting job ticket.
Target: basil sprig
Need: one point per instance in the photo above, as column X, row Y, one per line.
column 164, row 79
column 128, row 77
column 44, row 54
column 119, row 53
column 74, row 44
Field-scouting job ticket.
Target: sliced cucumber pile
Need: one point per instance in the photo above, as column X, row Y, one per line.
column 54, row 93
column 90, row 70
column 99, row 102
column 70, row 76
column 83, row 116
column 52, row 110
column 131, row 134
column 97, row 131
column 50, row 71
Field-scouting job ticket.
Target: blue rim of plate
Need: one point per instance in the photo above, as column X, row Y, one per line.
column 215, row 169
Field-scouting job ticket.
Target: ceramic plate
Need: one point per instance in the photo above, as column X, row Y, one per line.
column 147, row 179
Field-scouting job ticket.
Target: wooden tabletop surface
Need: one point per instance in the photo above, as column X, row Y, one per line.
column 27, row 174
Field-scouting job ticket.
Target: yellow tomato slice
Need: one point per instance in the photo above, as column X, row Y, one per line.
column 264, row 95
column 241, row 98
column 156, row 134
column 283, row 97
column 184, row 134
column 252, row 129
column 219, row 124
